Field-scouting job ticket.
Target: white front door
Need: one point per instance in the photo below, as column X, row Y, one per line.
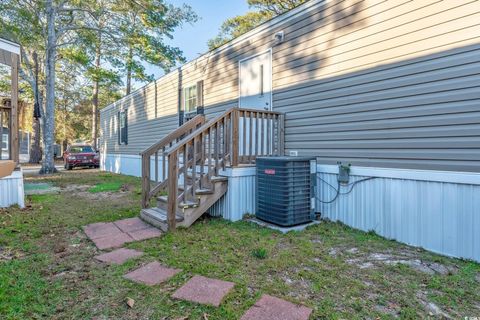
column 256, row 82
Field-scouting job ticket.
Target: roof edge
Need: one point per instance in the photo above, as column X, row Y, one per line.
column 262, row 27
column 305, row 7
column 9, row 46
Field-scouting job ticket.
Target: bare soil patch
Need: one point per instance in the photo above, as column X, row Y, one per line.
column 80, row 190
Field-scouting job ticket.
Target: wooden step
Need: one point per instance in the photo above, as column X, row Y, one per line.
column 181, row 205
column 157, row 217
column 213, row 178
column 205, row 202
column 187, row 212
column 198, row 191
column 219, row 179
column 203, row 191
column 191, row 204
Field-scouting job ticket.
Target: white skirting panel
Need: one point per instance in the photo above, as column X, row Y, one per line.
column 130, row 165
column 238, row 201
column 240, row 197
column 121, row 163
column 438, row 211
column 11, row 190
column 440, row 216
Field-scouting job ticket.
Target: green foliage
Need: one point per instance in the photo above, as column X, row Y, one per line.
column 4, row 79
column 263, row 10
column 236, row 26
column 23, row 290
column 97, row 43
column 260, row 253
column 144, row 25
column 106, row 187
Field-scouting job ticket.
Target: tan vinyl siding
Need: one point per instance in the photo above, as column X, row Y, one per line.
column 374, row 83
column 150, row 117
column 399, row 90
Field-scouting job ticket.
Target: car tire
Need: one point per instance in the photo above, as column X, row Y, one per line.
column 69, row 167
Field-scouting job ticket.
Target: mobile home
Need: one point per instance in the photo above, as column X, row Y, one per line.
column 390, row 87
column 11, row 183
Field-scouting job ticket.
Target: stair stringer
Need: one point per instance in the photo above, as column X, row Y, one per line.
column 191, row 215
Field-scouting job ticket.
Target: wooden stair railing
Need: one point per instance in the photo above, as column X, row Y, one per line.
column 160, row 182
column 233, row 138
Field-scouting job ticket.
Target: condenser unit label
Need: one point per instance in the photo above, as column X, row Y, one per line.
column 270, row 171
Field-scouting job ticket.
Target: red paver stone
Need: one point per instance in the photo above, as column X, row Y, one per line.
column 114, row 241
column 271, row 308
column 118, row 256
column 152, row 274
column 204, row 290
column 101, row 230
column 144, row 234
column 131, row 224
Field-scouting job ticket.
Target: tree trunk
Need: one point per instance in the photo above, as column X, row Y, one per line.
column 129, row 71
column 35, row 149
column 95, row 96
column 48, row 164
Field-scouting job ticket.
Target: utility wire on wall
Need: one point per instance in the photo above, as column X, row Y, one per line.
column 338, row 188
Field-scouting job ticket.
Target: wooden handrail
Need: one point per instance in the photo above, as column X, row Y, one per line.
column 258, row 110
column 195, row 133
column 214, row 121
column 194, row 154
column 175, row 134
column 237, row 136
column 147, row 191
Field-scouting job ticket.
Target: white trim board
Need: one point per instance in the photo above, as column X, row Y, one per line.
column 122, row 155
column 9, row 46
column 472, row 178
column 239, row 172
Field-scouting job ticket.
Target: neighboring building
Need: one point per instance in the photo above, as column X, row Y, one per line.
column 4, row 143
column 11, row 186
column 390, row 87
column 23, row 136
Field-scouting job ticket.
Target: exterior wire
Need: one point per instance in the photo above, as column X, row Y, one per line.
column 337, row 189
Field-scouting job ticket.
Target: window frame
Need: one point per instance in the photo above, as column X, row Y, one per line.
column 5, row 141
column 192, row 88
column 123, row 127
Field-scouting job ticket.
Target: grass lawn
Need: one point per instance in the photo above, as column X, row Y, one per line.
column 47, row 270
column 106, row 186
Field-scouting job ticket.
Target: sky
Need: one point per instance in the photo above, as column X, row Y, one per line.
column 192, row 39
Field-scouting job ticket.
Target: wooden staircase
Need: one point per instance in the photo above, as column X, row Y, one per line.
column 187, row 212
column 185, row 177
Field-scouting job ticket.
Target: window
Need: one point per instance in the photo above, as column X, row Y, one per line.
column 190, row 98
column 81, row 149
column 5, row 142
column 261, row 80
column 122, row 127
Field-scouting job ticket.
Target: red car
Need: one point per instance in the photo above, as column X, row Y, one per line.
column 81, row 156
